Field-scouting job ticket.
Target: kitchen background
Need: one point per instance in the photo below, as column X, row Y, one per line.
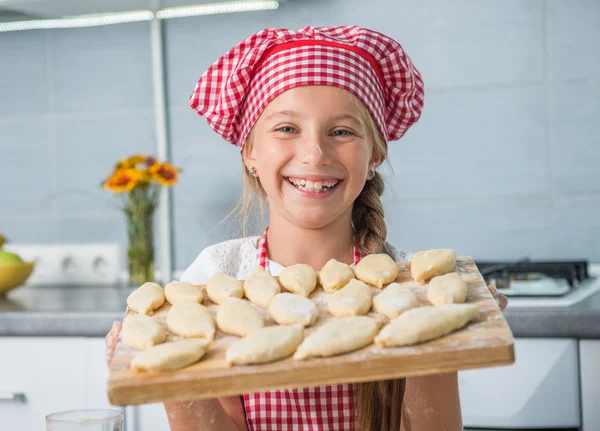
column 503, row 164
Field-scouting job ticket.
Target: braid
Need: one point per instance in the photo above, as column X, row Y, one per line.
column 378, row 404
column 368, row 220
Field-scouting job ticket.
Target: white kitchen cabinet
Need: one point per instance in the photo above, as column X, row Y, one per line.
column 43, row 375
column 589, row 357
column 146, row 417
column 39, row 376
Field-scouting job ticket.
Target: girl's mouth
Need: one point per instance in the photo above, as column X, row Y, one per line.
column 319, row 186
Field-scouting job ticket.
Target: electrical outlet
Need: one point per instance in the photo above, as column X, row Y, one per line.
column 94, row 263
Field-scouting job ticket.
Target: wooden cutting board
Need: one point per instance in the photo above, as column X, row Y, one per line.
column 486, row 342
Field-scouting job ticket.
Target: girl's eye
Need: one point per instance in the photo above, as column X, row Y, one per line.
column 342, row 132
column 286, row 129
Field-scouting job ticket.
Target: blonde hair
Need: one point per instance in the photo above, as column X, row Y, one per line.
column 378, row 405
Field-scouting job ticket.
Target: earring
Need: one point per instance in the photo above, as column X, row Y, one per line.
column 371, row 174
column 253, row 171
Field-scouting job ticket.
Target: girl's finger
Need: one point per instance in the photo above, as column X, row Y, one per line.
column 109, row 355
column 503, row 301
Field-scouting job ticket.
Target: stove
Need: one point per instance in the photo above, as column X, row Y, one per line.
column 529, row 283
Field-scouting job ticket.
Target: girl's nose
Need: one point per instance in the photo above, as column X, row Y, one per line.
column 313, row 151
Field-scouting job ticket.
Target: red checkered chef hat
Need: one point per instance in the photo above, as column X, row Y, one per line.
column 235, row 90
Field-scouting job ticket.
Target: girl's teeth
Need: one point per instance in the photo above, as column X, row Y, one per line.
column 313, row 186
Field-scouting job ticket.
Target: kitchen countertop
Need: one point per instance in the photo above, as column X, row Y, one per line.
column 88, row 311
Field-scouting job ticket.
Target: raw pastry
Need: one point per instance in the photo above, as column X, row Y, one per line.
column 395, row 300
column 426, row 323
column 447, row 289
column 146, row 298
column 352, row 300
column 377, row 270
column 339, row 336
column 260, row 287
column 335, row 275
column 220, row 286
column 140, row 331
column 265, row 345
column 191, row 320
column 427, row 264
column 300, row 279
column 239, row 317
column 177, row 291
column 289, row 309
column 170, row 356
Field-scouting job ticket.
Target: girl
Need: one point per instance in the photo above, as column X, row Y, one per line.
column 313, row 111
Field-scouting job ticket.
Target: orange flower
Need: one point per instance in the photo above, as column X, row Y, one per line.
column 124, row 180
column 130, row 162
column 136, row 159
column 164, row 173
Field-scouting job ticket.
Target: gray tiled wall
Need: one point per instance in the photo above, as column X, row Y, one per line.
column 502, row 165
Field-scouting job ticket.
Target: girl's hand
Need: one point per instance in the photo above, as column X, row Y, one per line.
column 501, row 299
column 111, row 341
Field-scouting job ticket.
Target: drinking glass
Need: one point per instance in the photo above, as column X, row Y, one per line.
column 85, row 420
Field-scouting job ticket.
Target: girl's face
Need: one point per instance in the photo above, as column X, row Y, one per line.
column 312, row 152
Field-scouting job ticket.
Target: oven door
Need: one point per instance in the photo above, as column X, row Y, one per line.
column 540, row 390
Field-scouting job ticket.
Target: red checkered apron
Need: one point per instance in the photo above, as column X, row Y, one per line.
column 325, row 408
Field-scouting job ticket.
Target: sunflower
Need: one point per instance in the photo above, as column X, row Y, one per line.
column 164, row 173
column 123, row 180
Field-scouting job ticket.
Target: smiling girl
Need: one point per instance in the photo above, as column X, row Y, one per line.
column 312, row 112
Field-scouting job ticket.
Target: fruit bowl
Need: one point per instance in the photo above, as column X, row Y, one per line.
column 14, row 274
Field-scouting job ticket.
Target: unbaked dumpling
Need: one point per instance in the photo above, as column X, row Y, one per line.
column 177, row 291
column 447, row 289
column 146, row 298
column 191, row 320
column 170, row 356
column 426, row 323
column 427, row 264
column 300, row 279
column 376, row 270
column 289, row 309
column 339, row 336
column 335, row 275
column 220, row 286
column 260, row 287
column 239, row 317
column 394, row 300
column 141, row 332
column 267, row 344
column 354, row 299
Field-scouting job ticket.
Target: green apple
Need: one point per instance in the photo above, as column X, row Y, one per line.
column 6, row 257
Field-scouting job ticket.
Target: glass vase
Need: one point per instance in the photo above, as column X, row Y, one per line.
column 140, row 248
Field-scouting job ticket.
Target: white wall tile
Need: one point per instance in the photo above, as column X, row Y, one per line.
column 102, row 69
column 578, row 228
column 573, row 39
column 23, row 73
column 503, row 228
column 26, row 167
column 574, row 120
column 35, row 229
column 470, row 144
column 212, row 168
column 87, row 149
